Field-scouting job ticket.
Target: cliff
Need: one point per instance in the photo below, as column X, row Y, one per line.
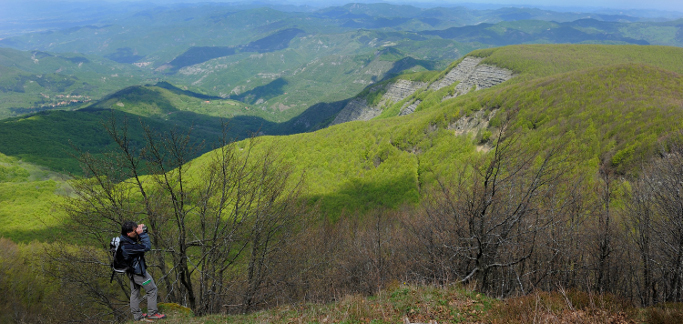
column 469, row 75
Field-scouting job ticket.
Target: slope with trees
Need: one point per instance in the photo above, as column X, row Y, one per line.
column 561, row 178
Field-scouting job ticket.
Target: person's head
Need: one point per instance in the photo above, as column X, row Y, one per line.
column 129, row 229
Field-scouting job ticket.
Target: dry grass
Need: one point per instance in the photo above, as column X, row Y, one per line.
column 429, row 304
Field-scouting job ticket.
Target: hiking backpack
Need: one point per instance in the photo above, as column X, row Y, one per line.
column 118, row 263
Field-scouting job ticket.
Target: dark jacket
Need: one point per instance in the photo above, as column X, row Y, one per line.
column 134, row 252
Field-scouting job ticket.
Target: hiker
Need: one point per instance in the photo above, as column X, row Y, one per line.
column 134, row 243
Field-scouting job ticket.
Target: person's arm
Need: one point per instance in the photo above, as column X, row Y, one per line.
column 131, row 250
column 138, row 248
column 144, row 240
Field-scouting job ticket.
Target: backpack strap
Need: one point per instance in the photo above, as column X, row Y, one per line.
column 114, row 245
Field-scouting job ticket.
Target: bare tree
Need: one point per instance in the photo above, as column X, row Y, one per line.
column 206, row 219
column 604, row 229
column 488, row 220
column 656, row 217
column 639, row 217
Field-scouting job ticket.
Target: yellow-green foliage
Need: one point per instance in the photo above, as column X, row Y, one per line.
column 544, row 60
column 9, row 172
column 29, row 202
column 425, row 76
column 359, row 170
column 617, row 112
column 32, row 295
column 601, row 103
column 613, row 113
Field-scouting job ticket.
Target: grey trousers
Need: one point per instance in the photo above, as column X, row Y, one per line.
column 144, row 281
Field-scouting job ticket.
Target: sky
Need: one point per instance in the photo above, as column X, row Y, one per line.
column 665, row 5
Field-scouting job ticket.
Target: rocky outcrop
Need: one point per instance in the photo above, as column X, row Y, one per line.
column 473, row 123
column 471, row 74
column 459, row 73
column 484, row 76
column 401, row 89
column 356, row 109
column 409, row 107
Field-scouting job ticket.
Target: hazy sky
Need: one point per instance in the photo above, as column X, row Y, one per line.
column 669, row 5
column 676, row 5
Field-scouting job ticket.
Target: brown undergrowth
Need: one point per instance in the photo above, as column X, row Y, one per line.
column 428, row 304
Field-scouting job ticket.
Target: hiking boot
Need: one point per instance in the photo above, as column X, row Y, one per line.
column 156, row 316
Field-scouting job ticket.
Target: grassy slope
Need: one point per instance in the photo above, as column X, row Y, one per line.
column 544, row 60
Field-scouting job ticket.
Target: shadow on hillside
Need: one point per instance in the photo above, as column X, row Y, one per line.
column 264, row 92
column 176, row 90
column 365, row 194
column 199, row 54
column 50, row 234
column 48, row 138
column 405, row 64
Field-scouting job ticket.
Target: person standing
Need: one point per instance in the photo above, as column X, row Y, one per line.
column 134, row 243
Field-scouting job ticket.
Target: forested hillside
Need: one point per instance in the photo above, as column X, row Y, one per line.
column 552, row 165
column 391, row 160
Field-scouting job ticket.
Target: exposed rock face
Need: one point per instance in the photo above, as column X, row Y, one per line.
column 470, row 74
column 409, row 109
column 473, row 123
column 484, row 76
column 356, row 109
column 459, row 73
column 402, row 89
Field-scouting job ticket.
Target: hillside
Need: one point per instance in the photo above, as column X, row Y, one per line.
column 46, row 138
column 32, row 81
column 612, row 103
column 539, row 186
